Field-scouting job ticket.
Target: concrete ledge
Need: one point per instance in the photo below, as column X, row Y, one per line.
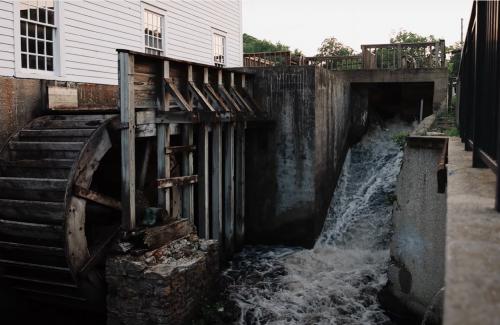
column 472, row 277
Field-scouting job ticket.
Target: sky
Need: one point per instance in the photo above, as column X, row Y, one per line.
column 304, row 24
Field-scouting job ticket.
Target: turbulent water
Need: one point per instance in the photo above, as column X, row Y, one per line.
column 337, row 281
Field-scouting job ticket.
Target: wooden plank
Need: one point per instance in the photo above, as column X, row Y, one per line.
column 214, row 97
column 98, row 198
column 32, row 231
column 177, row 96
column 45, row 146
column 203, row 184
column 177, row 149
column 62, row 97
column 187, row 170
column 240, row 185
column 163, row 143
column 127, row 116
column 177, row 181
column 39, row 184
column 34, row 249
column 216, row 186
column 156, row 237
column 229, row 189
column 177, row 117
column 195, row 92
column 32, row 211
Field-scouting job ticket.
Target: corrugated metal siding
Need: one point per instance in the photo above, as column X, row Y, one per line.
column 94, row 29
column 6, row 38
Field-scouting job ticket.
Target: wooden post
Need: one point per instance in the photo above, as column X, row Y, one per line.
column 399, row 64
column 421, row 110
column 229, row 189
column 127, row 118
column 203, row 184
column 240, row 185
column 217, row 182
column 163, row 142
column 187, row 170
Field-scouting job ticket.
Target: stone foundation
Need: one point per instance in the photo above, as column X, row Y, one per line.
column 163, row 286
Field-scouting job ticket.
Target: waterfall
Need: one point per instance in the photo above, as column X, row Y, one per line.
column 337, row 281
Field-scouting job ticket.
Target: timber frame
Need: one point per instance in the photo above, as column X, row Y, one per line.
column 197, row 116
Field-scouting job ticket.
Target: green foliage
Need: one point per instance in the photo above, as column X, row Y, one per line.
column 404, row 36
column 454, row 62
column 252, row 45
column 400, row 138
column 453, row 132
column 332, row 47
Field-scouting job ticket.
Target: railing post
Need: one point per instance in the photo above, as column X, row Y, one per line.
column 400, row 55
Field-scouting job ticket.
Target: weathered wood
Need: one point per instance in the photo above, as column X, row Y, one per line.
column 178, row 181
column 42, row 282
column 24, row 183
column 204, row 183
column 229, row 189
column 33, row 231
column 177, row 149
column 217, row 102
column 34, row 266
column 32, row 211
column 177, row 96
column 216, row 186
column 156, row 237
column 56, row 134
column 99, row 253
column 195, row 92
column 163, row 143
column 45, row 146
column 145, row 163
column 98, row 198
column 32, row 249
column 187, row 170
column 127, row 116
column 240, row 185
column 184, row 117
column 62, row 97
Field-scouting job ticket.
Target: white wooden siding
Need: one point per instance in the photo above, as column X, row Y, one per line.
column 7, row 66
column 93, row 29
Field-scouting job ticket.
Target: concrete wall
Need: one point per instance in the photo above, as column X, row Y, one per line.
column 416, row 273
column 292, row 167
column 438, row 76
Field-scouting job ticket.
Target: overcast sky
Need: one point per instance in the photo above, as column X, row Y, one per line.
column 303, row 24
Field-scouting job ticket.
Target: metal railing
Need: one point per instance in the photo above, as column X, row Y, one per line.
column 404, row 55
column 352, row 62
column 478, row 84
column 395, row 56
column 271, row 59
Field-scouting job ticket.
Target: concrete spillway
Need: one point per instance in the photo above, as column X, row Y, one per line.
column 338, row 280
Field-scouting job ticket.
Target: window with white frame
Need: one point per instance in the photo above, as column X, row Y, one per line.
column 153, row 33
column 37, row 32
column 219, row 50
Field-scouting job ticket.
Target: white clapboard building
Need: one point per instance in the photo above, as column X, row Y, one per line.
column 76, row 40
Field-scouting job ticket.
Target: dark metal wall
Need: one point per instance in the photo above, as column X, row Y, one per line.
column 479, row 83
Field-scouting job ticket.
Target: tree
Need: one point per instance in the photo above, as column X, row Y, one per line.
column 332, row 47
column 404, row 36
column 456, row 55
column 252, row 45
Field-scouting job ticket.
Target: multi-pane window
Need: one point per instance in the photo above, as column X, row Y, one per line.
column 37, row 34
column 153, row 33
column 219, row 50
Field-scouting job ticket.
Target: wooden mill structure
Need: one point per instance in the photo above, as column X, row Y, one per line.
column 73, row 181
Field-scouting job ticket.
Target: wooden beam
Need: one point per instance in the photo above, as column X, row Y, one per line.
column 177, row 149
column 176, row 95
column 156, row 237
column 229, row 189
column 195, row 92
column 177, row 181
column 127, row 116
column 240, row 185
column 216, row 186
column 96, row 197
column 187, row 170
column 203, row 184
column 163, row 143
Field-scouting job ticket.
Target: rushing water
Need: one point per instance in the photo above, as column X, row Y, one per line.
column 337, row 281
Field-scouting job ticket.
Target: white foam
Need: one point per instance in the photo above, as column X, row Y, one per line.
column 337, row 281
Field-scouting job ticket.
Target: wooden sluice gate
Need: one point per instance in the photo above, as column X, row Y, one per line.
column 72, row 182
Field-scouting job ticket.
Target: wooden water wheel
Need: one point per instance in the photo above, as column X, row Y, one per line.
column 59, row 184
